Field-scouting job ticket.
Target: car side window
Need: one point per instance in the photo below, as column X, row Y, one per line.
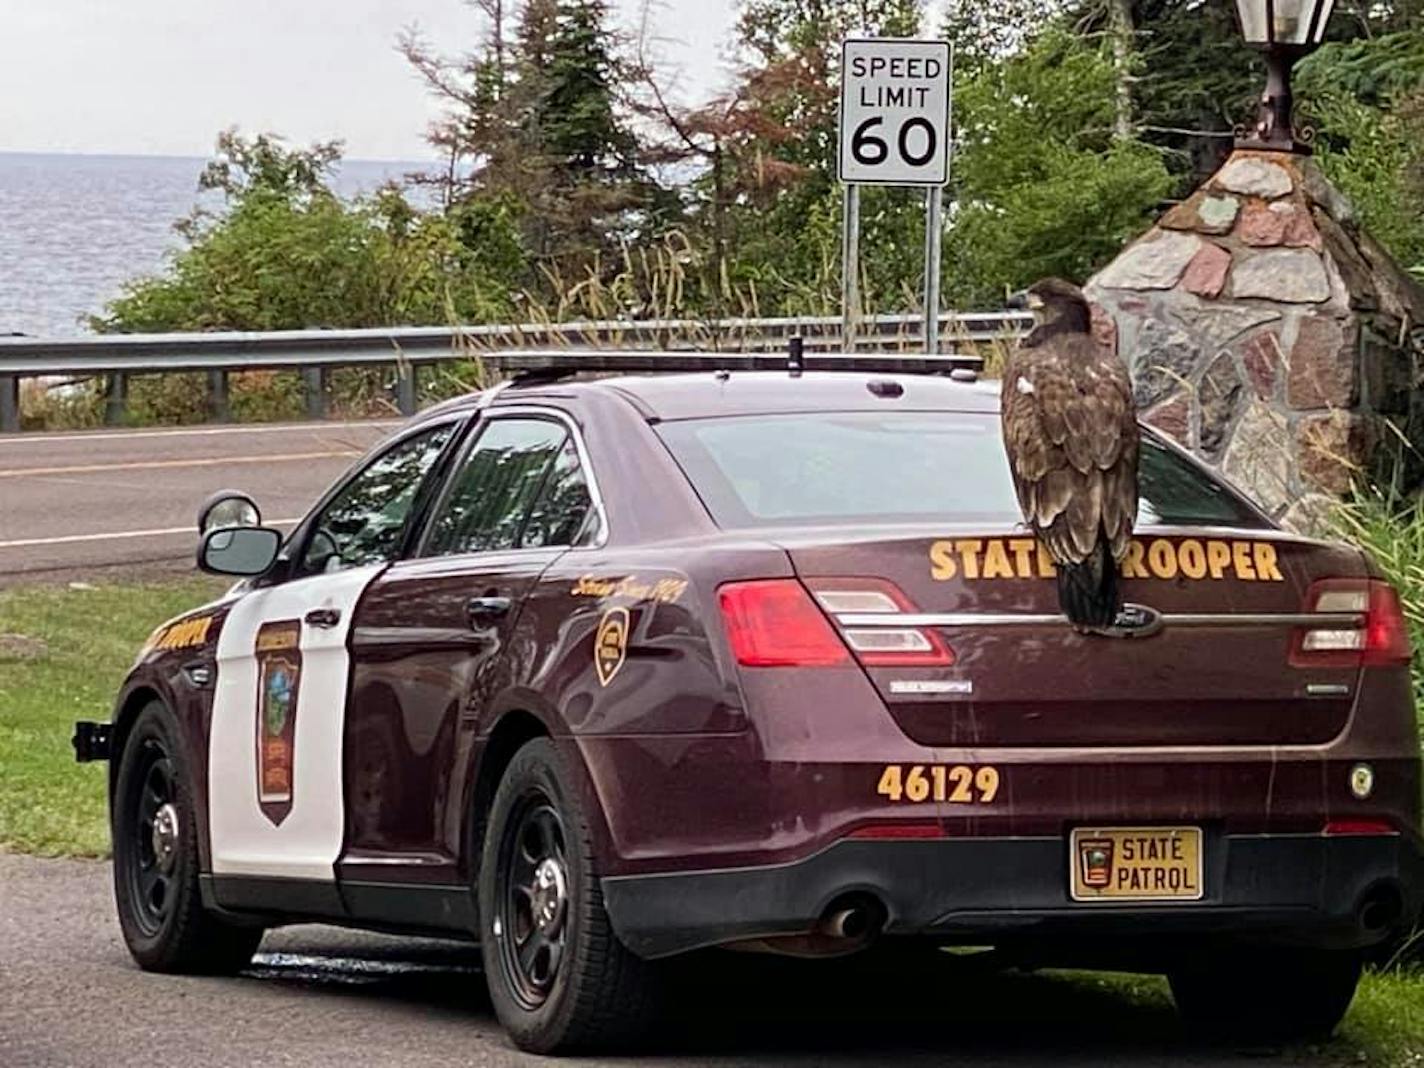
column 564, row 513
column 364, row 522
column 495, row 486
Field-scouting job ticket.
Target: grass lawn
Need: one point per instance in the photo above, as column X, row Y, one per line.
column 1385, row 1025
column 63, row 653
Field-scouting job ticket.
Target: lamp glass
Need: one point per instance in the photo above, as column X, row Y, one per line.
column 1284, row 22
column 1253, row 20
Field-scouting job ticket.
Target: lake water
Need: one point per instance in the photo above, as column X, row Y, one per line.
column 73, row 229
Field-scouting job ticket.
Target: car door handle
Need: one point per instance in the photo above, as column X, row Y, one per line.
column 481, row 610
column 323, row 617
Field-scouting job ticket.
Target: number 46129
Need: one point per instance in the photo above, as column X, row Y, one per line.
column 958, row 783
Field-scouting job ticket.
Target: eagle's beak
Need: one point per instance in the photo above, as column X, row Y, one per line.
column 1018, row 301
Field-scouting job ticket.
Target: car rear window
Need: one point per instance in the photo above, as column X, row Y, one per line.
column 850, row 467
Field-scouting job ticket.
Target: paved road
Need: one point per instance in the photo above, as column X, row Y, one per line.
column 324, row 998
column 76, row 503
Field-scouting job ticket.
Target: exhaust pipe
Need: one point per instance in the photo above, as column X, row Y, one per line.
column 850, row 923
column 854, row 920
column 1380, row 910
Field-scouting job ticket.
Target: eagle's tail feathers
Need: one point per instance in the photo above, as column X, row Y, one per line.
column 1088, row 591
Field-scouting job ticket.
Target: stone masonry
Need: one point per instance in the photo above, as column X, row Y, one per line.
column 1272, row 337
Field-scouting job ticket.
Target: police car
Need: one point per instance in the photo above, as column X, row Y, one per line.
column 603, row 671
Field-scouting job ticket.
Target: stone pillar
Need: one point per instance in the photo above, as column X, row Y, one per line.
column 1272, row 337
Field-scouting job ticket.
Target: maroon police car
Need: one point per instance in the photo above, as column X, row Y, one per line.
column 601, row 671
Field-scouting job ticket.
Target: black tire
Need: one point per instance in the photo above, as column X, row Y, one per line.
column 1264, row 993
column 562, row 983
column 160, row 907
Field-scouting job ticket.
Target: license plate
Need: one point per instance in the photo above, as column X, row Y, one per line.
column 1135, row 864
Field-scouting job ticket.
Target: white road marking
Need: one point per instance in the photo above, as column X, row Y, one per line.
column 123, row 435
column 67, row 539
column 211, row 461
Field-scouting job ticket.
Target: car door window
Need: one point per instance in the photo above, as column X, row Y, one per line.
column 363, row 523
column 563, row 514
column 490, row 497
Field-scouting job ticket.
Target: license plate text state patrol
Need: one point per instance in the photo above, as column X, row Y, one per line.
column 1141, row 863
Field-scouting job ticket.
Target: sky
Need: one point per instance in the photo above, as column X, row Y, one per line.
column 162, row 77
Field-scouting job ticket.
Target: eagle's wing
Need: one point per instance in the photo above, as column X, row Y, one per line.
column 1070, row 431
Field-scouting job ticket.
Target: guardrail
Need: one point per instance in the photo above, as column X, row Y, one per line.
column 315, row 352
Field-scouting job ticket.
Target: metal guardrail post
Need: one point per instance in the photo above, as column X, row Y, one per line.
column 405, row 387
column 116, row 399
column 9, row 403
column 314, row 391
column 218, row 409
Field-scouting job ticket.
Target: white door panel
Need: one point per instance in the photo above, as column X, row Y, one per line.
column 275, row 804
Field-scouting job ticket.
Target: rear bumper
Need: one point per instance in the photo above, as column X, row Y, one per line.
column 1291, row 888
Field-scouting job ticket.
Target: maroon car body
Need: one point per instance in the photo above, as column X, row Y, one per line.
column 917, row 752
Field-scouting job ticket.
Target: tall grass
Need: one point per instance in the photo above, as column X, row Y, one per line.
column 1390, row 527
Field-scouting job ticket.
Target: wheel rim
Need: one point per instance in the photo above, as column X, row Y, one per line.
column 155, row 835
column 531, row 921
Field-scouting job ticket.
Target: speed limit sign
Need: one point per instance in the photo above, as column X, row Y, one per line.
column 894, row 127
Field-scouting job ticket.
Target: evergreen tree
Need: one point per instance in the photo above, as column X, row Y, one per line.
column 591, row 185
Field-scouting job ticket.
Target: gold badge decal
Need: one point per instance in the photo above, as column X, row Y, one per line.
column 610, row 644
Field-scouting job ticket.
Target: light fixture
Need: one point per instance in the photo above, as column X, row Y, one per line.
column 1285, row 31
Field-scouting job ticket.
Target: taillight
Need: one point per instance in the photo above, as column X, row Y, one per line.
column 774, row 623
column 899, row 830
column 1358, row 828
column 887, row 646
column 1378, row 637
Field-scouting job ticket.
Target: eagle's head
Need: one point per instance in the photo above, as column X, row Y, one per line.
column 1056, row 304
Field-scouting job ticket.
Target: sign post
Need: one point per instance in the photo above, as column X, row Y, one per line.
column 850, row 266
column 894, row 130
column 934, row 240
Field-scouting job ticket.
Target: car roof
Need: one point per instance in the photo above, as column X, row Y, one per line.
column 709, row 394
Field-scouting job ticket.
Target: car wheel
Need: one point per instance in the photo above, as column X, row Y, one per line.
column 559, row 978
column 1266, row 993
column 155, row 840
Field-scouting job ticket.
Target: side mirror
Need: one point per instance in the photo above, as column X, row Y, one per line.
column 228, row 508
column 245, row 551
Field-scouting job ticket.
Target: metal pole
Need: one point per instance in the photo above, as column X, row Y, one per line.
column 314, row 387
column 850, row 267
column 9, row 403
column 218, row 408
column 116, row 400
column 406, row 387
column 934, row 235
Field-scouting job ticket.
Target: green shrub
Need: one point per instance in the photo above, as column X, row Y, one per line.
column 1391, row 529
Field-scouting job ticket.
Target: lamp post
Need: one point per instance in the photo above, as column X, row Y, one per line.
column 1285, row 31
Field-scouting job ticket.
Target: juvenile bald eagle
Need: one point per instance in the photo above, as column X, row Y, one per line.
column 1070, row 431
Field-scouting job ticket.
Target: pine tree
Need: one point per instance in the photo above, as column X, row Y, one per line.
column 589, row 180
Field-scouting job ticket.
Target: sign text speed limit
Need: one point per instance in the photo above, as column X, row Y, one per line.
column 894, row 127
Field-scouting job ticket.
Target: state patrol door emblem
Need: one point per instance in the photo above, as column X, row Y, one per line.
column 279, row 673
column 610, row 644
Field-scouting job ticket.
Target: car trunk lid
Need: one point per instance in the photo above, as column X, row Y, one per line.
column 1219, row 615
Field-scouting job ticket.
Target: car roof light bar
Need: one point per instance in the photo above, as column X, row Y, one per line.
column 545, row 366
